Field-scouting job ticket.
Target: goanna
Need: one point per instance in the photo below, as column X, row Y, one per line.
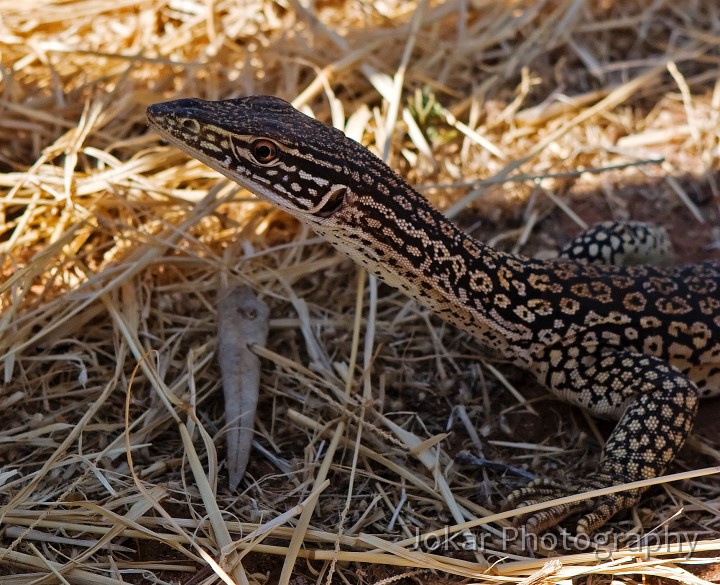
column 638, row 343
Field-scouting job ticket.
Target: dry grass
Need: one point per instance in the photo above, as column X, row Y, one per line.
column 113, row 249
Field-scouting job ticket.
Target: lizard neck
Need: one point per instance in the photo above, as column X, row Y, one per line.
column 411, row 246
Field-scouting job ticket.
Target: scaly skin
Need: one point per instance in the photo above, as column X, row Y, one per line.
column 636, row 343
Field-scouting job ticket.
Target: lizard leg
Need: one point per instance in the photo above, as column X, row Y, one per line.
column 657, row 406
column 621, row 243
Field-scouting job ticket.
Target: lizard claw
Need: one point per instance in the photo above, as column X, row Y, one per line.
column 596, row 511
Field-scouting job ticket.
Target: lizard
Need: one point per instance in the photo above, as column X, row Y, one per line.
column 638, row 343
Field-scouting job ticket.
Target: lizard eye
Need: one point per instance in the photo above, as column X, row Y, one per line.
column 264, row 151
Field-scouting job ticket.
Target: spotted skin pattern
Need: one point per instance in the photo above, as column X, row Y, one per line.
column 638, row 344
column 621, row 243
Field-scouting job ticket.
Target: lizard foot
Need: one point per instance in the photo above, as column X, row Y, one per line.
column 596, row 511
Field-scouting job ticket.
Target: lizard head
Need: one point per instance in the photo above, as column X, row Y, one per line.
column 270, row 148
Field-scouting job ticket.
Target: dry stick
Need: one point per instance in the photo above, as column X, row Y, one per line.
column 390, row 122
column 623, row 561
column 78, row 576
column 420, row 482
column 394, row 107
column 119, row 523
column 20, row 499
column 209, row 498
column 357, row 327
column 382, row 83
column 221, row 534
column 399, row 78
column 472, row 134
column 297, row 540
column 614, row 98
column 332, row 70
column 274, row 526
column 135, row 263
column 640, row 484
column 303, row 523
column 478, row 183
column 429, row 457
column 681, row 193
column 242, row 321
column 171, row 236
column 549, row 569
